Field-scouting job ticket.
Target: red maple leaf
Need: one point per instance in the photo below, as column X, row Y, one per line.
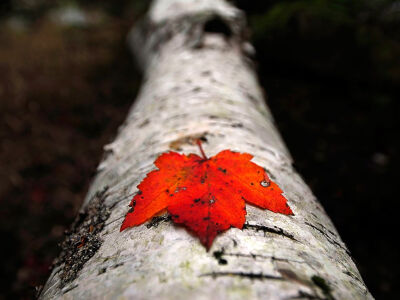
column 207, row 195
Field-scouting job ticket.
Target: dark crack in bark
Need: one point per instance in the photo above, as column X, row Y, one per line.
column 274, row 230
column 329, row 238
column 259, row 276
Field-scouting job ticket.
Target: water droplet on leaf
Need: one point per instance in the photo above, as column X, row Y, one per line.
column 265, row 183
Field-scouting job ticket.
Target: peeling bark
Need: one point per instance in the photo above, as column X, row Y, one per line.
column 199, row 82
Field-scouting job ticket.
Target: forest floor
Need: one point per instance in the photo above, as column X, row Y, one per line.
column 67, row 81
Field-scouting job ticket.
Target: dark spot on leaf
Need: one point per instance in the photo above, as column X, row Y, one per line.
column 222, row 170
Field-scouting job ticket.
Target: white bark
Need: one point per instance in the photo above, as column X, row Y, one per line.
column 202, row 83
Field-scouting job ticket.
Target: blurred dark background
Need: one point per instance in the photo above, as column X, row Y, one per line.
column 330, row 68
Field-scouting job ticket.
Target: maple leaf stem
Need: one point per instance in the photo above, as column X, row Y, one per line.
column 198, row 142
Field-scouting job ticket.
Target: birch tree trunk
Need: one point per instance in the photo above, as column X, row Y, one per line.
column 199, row 82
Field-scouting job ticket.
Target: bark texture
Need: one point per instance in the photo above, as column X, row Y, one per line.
column 199, row 82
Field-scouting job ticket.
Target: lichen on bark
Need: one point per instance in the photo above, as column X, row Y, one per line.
column 82, row 239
